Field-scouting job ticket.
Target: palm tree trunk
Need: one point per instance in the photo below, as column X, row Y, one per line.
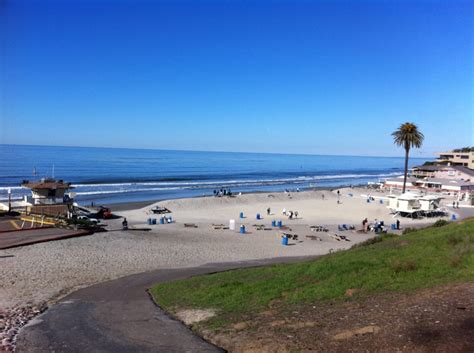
column 407, row 150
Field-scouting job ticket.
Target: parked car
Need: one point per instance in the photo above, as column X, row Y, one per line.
column 85, row 218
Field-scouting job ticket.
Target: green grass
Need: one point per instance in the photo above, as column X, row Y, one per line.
column 420, row 259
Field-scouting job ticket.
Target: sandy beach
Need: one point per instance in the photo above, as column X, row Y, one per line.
column 43, row 272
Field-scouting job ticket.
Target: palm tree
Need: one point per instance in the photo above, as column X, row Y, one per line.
column 407, row 136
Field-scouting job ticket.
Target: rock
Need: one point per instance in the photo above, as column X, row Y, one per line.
column 355, row 332
column 300, row 325
column 240, row 326
column 350, row 292
column 12, row 320
column 277, row 323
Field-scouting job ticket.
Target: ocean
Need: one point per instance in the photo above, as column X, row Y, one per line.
column 116, row 175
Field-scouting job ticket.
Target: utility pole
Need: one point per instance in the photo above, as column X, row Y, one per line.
column 9, row 200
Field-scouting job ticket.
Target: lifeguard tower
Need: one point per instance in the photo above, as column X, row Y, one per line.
column 48, row 197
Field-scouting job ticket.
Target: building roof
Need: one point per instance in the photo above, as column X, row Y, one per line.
column 463, row 169
column 400, row 179
column 430, row 197
column 455, row 182
column 431, row 168
column 46, row 184
column 408, row 196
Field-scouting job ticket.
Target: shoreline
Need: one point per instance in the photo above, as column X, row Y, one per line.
column 132, row 205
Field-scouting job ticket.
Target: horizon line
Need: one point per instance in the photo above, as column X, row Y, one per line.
column 211, row 151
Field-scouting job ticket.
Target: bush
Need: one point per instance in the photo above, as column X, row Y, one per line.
column 375, row 240
column 440, row 223
column 409, row 230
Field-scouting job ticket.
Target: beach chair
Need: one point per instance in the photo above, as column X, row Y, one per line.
column 313, row 237
column 335, row 237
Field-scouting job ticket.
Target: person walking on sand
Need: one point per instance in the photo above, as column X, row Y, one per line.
column 398, row 224
column 268, row 211
column 284, row 212
column 124, row 224
column 296, row 214
column 457, row 204
column 322, row 196
column 338, row 196
column 454, row 204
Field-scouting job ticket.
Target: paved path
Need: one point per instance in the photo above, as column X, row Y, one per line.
column 36, row 235
column 119, row 316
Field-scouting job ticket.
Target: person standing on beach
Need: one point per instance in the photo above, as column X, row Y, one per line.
column 322, row 196
column 268, row 211
column 398, row 224
column 338, row 196
column 364, row 224
column 284, row 212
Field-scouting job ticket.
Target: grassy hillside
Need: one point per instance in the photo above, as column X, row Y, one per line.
column 420, row 259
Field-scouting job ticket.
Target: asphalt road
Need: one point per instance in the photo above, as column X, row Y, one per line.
column 119, row 316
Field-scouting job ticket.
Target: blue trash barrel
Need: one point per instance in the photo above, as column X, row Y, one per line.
column 153, row 221
column 284, row 240
column 453, row 217
column 148, row 221
column 241, row 215
column 242, row 229
column 162, row 220
column 394, row 226
column 381, row 201
column 274, row 223
column 280, row 224
column 170, row 219
column 368, row 200
column 258, row 215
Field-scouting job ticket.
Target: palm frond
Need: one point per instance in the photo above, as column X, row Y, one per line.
column 408, row 136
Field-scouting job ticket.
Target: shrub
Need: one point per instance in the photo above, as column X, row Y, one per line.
column 375, row 240
column 440, row 223
column 409, row 230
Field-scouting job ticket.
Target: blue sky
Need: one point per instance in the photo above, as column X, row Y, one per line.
column 318, row 77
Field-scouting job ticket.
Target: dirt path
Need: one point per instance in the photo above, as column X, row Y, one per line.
column 432, row 320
